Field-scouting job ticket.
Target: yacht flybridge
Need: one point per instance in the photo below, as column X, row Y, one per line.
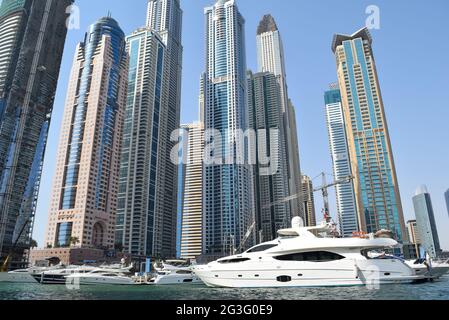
column 309, row 257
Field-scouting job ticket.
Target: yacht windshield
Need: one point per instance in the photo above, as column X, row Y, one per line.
column 261, row 248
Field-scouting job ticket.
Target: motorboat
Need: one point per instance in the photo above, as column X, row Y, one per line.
column 309, row 257
column 25, row 275
column 59, row 276
column 432, row 270
column 99, row 277
column 174, row 272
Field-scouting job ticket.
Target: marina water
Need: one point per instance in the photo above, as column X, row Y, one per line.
column 438, row 290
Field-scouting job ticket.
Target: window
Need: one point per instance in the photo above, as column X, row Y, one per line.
column 237, row 260
column 261, row 248
column 314, row 256
column 284, row 279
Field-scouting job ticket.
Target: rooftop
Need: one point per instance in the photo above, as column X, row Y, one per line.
column 340, row 38
column 267, row 24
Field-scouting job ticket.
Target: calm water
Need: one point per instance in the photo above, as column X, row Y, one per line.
column 427, row 291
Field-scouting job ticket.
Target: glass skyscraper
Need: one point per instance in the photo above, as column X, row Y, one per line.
column 425, row 221
column 341, row 162
column 446, row 196
column 84, row 197
column 376, row 186
column 270, row 190
column 228, row 204
column 270, row 57
column 146, row 223
column 32, row 36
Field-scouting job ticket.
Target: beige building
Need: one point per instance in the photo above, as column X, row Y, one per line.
column 376, row 185
column 84, row 197
column 192, row 208
column 413, row 234
column 308, row 201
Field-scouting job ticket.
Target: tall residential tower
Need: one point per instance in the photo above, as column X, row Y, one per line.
column 425, row 221
column 376, row 185
column 147, row 200
column 84, row 198
column 227, row 203
column 270, row 56
column 32, row 36
column 341, row 162
column 192, row 206
column 271, row 186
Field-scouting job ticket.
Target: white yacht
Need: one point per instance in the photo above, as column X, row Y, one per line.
column 59, row 276
column 174, row 272
column 309, row 257
column 99, row 276
column 25, row 275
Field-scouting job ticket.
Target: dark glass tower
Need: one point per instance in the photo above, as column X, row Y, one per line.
column 32, row 36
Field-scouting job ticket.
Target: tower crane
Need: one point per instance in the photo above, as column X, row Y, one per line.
column 325, row 193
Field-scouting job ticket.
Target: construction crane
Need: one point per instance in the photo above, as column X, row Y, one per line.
column 325, row 193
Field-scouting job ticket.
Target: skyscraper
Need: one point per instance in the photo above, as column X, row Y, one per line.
column 32, row 36
column 376, row 186
column 413, row 234
column 270, row 190
column 341, row 162
column 147, row 205
column 228, row 203
column 270, row 56
column 308, row 202
column 84, row 198
column 446, row 196
column 425, row 220
column 192, row 208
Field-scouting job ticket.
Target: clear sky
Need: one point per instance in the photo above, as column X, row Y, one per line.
column 411, row 50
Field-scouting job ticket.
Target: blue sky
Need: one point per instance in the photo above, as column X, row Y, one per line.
column 411, row 54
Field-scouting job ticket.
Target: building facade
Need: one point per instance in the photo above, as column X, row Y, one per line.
column 341, row 163
column 376, row 185
column 192, row 207
column 446, row 197
column 270, row 57
column 147, row 205
column 425, row 220
column 414, row 240
column 32, row 36
column 412, row 231
column 227, row 202
column 84, row 199
column 271, row 182
column 308, row 202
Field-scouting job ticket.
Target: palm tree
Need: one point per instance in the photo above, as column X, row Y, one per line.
column 33, row 244
column 74, row 241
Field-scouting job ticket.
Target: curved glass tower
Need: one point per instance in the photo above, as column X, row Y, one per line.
column 84, row 198
column 32, row 36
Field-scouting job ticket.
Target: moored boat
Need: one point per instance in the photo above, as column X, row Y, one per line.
column 99, row 277
column 309, row 257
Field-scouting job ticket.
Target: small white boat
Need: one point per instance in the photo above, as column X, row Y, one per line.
column 17, row 276
column 99, row 277
column 25, row 275
column 433, row 270
column 174, row 272
column 309, row 257
column 59, row 276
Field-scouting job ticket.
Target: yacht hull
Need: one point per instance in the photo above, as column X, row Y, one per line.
column 172, row 279
column 304, row 274
column 99, row 281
